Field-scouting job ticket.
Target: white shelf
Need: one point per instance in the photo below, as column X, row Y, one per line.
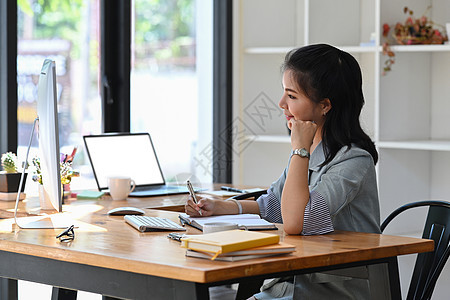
column 361, row 49
column 268, row 50
column 433, row 145
column 421, row 48
column 284, row 50
column 269, row 138
column 403, row 110
column 420, row 72
column 355, row 49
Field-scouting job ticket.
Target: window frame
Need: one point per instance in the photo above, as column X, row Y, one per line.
column 8, row 76
column 115, row 61
column 115, row 23
column 222, row 91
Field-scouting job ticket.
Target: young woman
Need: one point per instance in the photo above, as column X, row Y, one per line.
column 330, row 180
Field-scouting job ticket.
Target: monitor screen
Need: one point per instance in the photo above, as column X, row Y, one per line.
column 48, row 134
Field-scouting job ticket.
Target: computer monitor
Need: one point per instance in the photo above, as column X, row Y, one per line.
column 49, row 154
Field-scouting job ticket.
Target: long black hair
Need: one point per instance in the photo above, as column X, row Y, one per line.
column 323, row 71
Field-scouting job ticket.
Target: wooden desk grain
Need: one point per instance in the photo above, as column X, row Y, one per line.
column 31, row 206
column 108, row 242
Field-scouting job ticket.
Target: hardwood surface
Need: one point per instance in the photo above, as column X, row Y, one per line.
column 107, row 241
column 31, row 206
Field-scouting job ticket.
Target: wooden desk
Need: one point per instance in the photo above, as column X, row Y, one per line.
column 31, row 206
column 111, row 258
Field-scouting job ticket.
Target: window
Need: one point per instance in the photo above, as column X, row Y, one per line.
column 67, row 32
column 171, row 83
column 171, row 78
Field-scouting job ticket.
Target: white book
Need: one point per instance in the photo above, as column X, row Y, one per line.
column 244, row 221
column 257, row 252
column 204, row 255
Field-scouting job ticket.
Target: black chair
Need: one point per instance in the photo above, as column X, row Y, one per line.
column 428, row 265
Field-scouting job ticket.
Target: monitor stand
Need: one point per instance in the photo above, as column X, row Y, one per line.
column 55, row 221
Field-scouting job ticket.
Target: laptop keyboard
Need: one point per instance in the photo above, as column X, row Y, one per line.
column 146, row 191
column 146, row 223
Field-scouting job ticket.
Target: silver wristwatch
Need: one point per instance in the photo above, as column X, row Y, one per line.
column 301, row 152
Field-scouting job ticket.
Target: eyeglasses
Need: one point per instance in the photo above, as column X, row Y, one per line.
column 67, row 235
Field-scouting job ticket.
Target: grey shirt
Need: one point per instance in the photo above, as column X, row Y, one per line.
column 348, row 187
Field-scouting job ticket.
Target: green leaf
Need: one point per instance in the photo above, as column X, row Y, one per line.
column 25, row 6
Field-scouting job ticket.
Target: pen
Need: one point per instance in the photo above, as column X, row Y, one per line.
column 231, row 189
column 72, row 156
column 192, row 193
column 176, row 236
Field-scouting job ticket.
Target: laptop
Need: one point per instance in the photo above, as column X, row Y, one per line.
column 131, row 155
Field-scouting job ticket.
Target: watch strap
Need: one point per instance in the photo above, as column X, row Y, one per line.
column 301, row 152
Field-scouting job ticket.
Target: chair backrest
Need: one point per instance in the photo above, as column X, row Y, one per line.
column 249, row 195
column 430, row 264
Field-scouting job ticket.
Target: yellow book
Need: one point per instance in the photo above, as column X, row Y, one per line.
column 228, row 241
column 257, row 252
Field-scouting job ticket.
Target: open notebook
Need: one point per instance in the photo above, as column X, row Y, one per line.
column 245, row 221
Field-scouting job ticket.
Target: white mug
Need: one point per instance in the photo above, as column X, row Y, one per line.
column 120, row 187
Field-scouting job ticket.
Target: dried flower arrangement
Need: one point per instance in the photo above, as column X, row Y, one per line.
column 411, row 32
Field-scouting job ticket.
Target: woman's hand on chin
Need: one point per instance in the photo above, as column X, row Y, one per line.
column 302, row 133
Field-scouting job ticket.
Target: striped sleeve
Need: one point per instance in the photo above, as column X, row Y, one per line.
column 270, row 207
column 317, row 218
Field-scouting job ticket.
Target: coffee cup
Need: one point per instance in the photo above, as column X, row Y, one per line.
column 120, row 187
column 219, row 226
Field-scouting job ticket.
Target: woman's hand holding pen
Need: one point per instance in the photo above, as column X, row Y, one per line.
column 302, row 133
column 205, row 205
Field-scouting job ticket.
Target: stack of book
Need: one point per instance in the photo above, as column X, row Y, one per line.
column 234, row 245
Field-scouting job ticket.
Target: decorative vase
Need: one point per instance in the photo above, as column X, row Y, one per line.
column 9, row 182
column 44, row 199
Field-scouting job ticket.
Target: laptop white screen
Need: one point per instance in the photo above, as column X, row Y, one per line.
column 130, row 155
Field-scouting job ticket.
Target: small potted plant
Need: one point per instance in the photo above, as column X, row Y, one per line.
column 10, row 177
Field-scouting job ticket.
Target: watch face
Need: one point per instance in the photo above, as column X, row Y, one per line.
column 304, row 153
